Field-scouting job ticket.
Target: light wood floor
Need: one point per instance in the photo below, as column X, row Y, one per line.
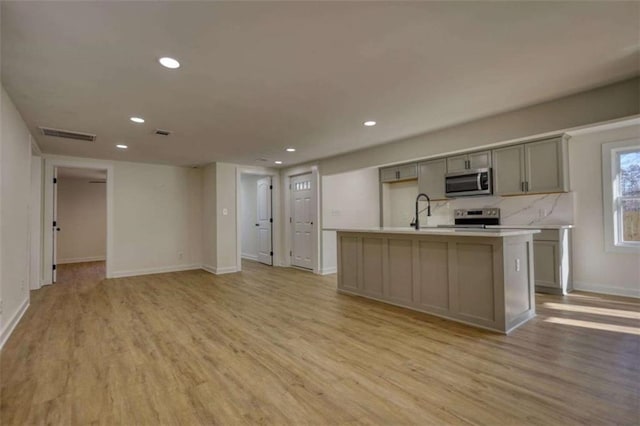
column 280, row 346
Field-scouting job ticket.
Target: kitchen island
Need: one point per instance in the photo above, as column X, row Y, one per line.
column 480, row 277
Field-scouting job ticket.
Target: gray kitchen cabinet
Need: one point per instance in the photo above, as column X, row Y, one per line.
column 546, row 168
column 399, row 173
column 552, row 261
column 471, row 161
column 534, row 167
column 508, row 170
column 431, row 178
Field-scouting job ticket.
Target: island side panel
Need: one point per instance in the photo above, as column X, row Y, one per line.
column 519, row 282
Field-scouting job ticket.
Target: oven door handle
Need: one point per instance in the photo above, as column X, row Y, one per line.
column 478, row 180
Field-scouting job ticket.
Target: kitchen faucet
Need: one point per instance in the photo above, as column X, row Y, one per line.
column 416, row 224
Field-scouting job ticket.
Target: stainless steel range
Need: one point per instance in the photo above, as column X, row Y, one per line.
column 474, row 218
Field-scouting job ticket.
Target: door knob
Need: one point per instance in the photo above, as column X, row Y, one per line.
column 57, row 229
column 257, row 224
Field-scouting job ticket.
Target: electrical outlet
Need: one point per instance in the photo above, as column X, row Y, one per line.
column 225, row 212
column 542, row 213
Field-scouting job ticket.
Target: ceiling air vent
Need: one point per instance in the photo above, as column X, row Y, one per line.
column 162, row 132
column 67, row 134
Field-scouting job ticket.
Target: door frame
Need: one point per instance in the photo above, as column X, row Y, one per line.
column 316, row 234
column 50, row 163
column 275, row 211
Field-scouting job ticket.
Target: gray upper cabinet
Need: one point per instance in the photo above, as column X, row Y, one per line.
column 508, row 170
column 457, row 163
column 431, row 178
column 546, row 170
column 480, row 160
column 398, row 173
column 474, row 160
column 534, row 167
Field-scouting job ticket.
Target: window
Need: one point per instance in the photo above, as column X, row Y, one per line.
column 621, row 195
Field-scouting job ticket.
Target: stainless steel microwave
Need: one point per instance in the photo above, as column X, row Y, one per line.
column 468, row 182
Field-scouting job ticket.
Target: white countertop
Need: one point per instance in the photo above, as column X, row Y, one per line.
column 545, row 226
column 458, row 232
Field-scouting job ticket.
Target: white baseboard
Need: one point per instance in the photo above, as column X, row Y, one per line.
column 82, row 259
column 250, row 256
column 11, row 324
column 329, row 270
column 220, row 271
column 603, row 289
column 160, row 270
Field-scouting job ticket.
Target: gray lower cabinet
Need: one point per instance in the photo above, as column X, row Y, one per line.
column 534, row 167
column 482, row 281
column 431, row 178
column 552, row 261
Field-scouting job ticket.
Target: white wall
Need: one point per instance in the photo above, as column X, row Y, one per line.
column 15, row 189
column 157, row 218
column 35, row 227
column 226, row 222
column 399, row 200
column 348, row 200
column 594, row 269
column 209, row 218
column 219, row 218
column 154, row 220
column 82, row 219
column 249, row 215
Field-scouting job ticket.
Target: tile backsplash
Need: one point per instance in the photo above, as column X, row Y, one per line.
column 541, row 209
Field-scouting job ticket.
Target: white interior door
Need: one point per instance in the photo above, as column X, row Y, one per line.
column 302, row 217
column 55, row 228
column 265, row 221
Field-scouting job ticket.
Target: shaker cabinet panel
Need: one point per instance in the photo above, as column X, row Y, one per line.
column 400, row 270
column 474, row 160
column 457, row 163
column 480, row 160
column 388, row 174
column 545, row 166
column 431, row 178
column 508, row 170
column 534, row 167
column 398, row 173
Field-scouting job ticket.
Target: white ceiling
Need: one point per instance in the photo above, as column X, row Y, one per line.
column 80, row 173
column 257, row 77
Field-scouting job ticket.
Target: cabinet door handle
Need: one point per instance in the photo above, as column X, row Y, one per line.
column 397, row 174
column 522, row 186
column 467, row 164
column 526, row 185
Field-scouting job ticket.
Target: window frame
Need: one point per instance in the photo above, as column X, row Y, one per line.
column 611, row 197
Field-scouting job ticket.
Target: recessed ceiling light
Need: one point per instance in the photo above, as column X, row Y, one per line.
column 169, row 62
column 137, row 119
column 291, row 150
column 278, row 162
column 122, row 146
column 369, row 123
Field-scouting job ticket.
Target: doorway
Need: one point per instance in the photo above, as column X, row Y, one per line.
column 303, row 213
column 79, row 231
column 256, row 218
